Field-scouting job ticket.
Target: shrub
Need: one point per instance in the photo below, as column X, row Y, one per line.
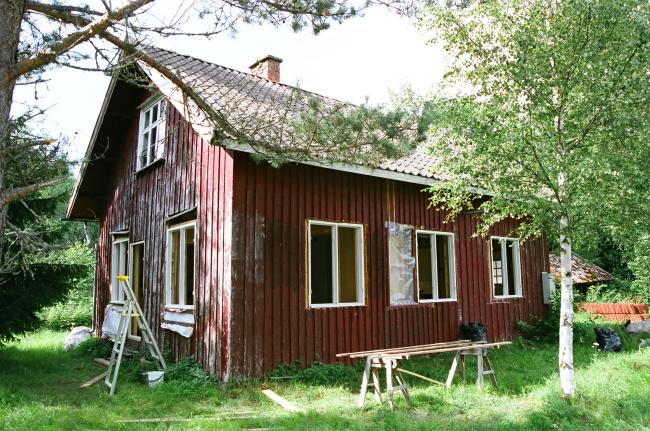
column 187, row 370
column 95, row 347
column 318, row 373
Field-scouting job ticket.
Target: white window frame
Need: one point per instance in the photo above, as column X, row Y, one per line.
column 160, row 124
column 434, row 265
column 132, row 246
column 360, row 269
column 182, row 269
column 517, row 272
column 122, row 242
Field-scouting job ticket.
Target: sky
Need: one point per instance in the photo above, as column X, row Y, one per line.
column 364, row 58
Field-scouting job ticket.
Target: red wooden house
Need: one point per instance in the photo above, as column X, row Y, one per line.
column 247, row 266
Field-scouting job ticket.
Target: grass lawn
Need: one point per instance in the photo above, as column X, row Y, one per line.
column 39, row 390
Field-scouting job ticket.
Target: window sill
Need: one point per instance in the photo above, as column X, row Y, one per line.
column 433, row 301
column 159, row 161
column 506, row 298
column 179, row 315
column 321, row 306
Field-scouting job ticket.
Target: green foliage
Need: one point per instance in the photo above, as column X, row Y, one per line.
column 39, row 390
column 187, row 373
column 24, row 294
column 318, row 373
column 94, row 348
column 76, row 307
column 553, row 116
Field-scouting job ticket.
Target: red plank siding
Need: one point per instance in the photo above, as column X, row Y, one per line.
column 270, row 209
column 193, row 174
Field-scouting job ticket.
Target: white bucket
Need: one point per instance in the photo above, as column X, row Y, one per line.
column 153, row 378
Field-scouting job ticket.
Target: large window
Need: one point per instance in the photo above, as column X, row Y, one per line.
column 506, row 267
column 119, row 260
column 180, row 265
column 435, row 266
column 422, row 265
column 335, row 260
column 152, row 132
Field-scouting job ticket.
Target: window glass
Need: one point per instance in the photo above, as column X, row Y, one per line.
column 443, row 266
column 181, row 250
column 425, row 267
column 335, row 264
column 152, row 132
column 119, row 261
column 435, row 263
column 505, row 267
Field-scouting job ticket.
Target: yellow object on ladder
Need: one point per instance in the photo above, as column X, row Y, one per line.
column 131, row 309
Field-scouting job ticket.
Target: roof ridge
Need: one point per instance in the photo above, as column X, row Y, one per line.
column 252, row 75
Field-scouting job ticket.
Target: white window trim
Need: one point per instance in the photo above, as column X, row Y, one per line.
column 434, row 266
column 168, row 268
column 117, row 294
column 517, row 273
column 162, row 123
column 361, row 288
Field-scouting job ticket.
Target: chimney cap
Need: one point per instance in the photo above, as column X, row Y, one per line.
column 267, row 57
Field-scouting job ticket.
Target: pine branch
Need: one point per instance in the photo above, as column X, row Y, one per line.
column 13, row 194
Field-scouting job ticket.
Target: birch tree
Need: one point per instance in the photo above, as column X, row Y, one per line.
column 551, row 118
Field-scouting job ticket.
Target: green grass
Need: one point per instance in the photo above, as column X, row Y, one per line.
column 39, row 390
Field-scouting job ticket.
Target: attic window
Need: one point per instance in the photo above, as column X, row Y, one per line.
column 152, row 131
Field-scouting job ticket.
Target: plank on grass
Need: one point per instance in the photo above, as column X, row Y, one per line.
column 94, row 380
column 284, row 403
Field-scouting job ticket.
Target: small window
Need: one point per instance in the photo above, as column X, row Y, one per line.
column 335, row 264
column 152, row 132
column 506, row 267
column 119, row 259
column 180, row 265
column 436, row 272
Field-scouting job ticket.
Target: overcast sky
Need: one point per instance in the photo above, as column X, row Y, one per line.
column 365, row 57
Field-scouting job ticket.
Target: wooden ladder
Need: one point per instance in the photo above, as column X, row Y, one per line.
column 131, row 309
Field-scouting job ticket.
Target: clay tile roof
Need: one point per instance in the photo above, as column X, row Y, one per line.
column 244, row 98
column 583, row 271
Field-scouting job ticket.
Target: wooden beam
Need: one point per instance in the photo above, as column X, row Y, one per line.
column 400, row 349
column 94, row 380
column 419, row 376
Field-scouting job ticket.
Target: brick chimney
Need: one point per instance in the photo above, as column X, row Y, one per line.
column 267, row 67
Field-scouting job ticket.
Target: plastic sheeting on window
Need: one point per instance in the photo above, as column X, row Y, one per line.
column 401, row 263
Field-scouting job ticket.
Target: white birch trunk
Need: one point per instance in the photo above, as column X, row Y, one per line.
column 567, row 373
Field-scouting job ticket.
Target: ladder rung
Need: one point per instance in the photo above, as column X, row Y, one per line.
column 488, row 372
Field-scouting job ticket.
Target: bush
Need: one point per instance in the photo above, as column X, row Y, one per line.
column 615, row 291
column 76, row 307
column 95, row 347
column 318, row 373
column 187, row 370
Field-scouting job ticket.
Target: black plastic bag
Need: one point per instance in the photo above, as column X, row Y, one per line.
column 608, row 340
column 473, row 331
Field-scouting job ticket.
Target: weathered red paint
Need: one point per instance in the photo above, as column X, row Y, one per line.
column 271, row 322
column 251, row 309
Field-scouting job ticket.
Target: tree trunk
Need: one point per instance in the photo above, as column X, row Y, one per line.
column 11, row 15
column 567, row 373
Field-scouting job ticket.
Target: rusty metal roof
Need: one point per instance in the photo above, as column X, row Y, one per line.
column 583, row 271
column 256, row 103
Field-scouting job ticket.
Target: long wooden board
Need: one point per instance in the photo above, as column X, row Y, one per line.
column 401, row 355
column 401, row 349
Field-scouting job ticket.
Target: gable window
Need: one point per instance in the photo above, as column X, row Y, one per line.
column 436, row 273
column 506, row 267
column 119, row 259
column 335, row 261
column 180, row 265
column 152, row 131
